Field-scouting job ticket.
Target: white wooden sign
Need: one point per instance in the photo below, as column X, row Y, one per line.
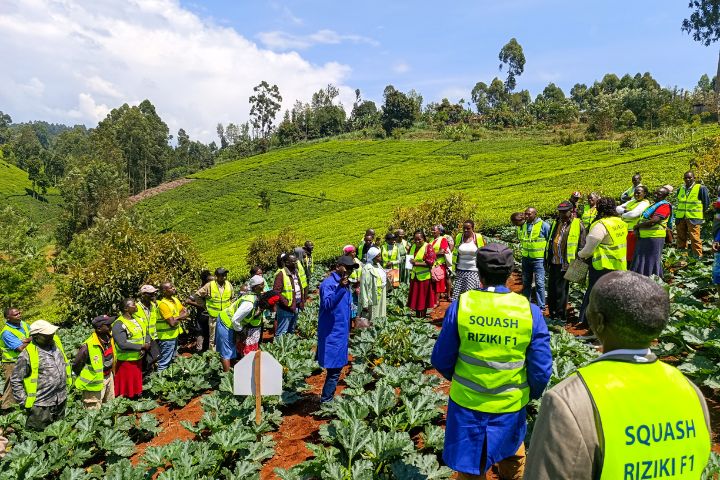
column 270, row 375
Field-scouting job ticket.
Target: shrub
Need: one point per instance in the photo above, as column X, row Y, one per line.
column 707, row 162
column 116, row 256
column 630, row 140
column 263, row 250
column 450, row 211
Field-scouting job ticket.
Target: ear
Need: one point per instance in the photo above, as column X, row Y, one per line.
column 596, row 320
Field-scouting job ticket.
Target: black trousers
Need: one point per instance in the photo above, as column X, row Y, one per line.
column 41, row 417
column 557, row 292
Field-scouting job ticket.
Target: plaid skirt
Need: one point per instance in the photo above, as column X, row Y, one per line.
column 465, row 280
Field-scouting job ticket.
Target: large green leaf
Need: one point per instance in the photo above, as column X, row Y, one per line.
column 116, row 442
column 379, row 400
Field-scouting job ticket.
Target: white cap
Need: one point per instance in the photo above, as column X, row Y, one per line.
column 256, row 280
column 148, row 289
column 43, row 327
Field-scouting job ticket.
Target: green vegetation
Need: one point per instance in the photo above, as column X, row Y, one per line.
column 16, row 191
column 330, row 192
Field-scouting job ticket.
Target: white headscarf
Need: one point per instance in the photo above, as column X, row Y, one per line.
column 372, row 253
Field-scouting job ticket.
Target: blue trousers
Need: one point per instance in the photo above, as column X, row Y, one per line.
column 332, row 375
column 534, row 267
column 168, row 349
column 286, row 321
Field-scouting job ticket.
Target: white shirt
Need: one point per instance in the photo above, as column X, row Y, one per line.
column 243, row 311
column 467, row 254
column 639, row 354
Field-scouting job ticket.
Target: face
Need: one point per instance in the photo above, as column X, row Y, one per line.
column 564, row 215
column 309, row 247
column 103, row 330
column 418, row 239
column 530, row 215
column 14, row 315
column 400, row 234
column 148, row 297
column 636, row 179
column 661, row 193
column 42, row 340
column 574, row 198
column 369, row 238
column 435, row 232
column 257, row 271
column 220, row 278
column 291, row 262
column 467, row 228
column 391, row 241
column 639, row 193
column 518, row 220
column 168, row 289
column 130, row 308
column 258, row 288
column 689, row 179
column 342, row 270
column 592, row 200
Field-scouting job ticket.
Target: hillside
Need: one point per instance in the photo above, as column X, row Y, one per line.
column 15, row 190
column 332, row 191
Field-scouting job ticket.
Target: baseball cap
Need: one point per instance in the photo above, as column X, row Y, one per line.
column 148, row 289
column 101, row 320
column 565, row 206
column 221, row 271
column 576, row 194
column 347, row 261
column 256, row 280
column 495, row 258
column 42, row 326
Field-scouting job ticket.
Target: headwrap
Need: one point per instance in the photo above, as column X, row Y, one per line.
column 348, row 249
column 372, row 253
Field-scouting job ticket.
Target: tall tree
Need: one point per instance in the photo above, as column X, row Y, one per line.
column 398, row 111
column 264, row 106
column 704, row 25
column 512, row 57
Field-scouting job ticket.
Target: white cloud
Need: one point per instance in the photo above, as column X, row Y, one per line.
column 401, row 67
column 72, row 61
column 279, row 40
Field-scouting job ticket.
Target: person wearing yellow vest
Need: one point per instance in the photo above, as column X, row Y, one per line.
column 494, row 347
column 42, row 376
column 631, row 213
column 465, row 250
column 404, row 247
column 169, row 324
column 440, row 269
column 390, row 256
column 364, row 246
column 292, row 299
column 246, row 314
column 692, row 201
column 533, row 236
column 605, row 248
column 627, row 195
column 650, row 231
column 421, row 258
column 93, row 365
column 147, row 309
column 372, row 301
column 131, row 343
column 590, row 210
column 567, row 237
column 305, row 258
column 14, row 338
column 218, row 294
column 626, row 415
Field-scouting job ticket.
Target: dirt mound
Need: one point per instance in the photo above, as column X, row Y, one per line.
column 151, row 192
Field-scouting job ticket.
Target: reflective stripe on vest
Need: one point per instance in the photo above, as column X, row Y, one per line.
column 657, row 230
column 573, row 239
column 30, row 383
column 612, row 256
column 92, row 376
column 631, row 222
column 389, row 255
column 689, row 204
column 227, row 314
column 532, row 245
column 588, row 216
column 9, row 355
column 164, row 330
column 495, row 330
column 288, row 291
column 136, row 333
column 419, row 272
column 151, row 322
column 217, row 301
column 479, row 243
column 651, row 420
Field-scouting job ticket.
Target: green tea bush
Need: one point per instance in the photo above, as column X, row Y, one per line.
column 450, row 211
column 263, row 250
column 114, row 258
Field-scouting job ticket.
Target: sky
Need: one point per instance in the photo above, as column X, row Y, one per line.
column 72, row 61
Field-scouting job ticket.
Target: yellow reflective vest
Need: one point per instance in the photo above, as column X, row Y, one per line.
column 9, row 355
column 495, row 330
column 30, row 383
column 217, row 301
column 288, row 291
column 532, row 245
column 588, row 216
column 92, row 376
column 252, row 320
column 689, row 204
column 631, row 222
column 650, row 420
column 149, row 321
column 164, row 330
column 419, row 272
column 611, row 256
column 390, row 255
column 136, row 331
column 657, row 230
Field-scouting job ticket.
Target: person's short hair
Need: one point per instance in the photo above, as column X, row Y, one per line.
column 633, row 306
column 644, row 189
column 254, row 269
column 389, row 236
column 495, row 278
column 126, row 302
column 472, row 224
column 606, row 207
column 517, row 216
column 7, row 311
column 421, row 232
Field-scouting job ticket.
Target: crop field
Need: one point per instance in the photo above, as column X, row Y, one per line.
column 331, row 191
column 15, row 191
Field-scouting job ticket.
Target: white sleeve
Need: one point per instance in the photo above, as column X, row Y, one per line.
column 635, row 212
column 243, row 311
column 594, row 238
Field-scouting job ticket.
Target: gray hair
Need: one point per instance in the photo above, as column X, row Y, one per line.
column 633, row 306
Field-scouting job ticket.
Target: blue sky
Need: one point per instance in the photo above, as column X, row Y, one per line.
column 444, row 48
column 198, row 61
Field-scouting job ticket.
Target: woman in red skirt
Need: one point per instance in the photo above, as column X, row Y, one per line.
column 130, row 342
column 441, row 247
column 422, row 295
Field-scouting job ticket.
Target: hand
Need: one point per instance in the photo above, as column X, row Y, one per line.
column 25, row 341
column 345, row 281
column 716, row 246
column 145, row 347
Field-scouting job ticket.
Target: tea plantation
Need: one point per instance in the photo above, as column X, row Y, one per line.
column 15, row 191
column 332, row 191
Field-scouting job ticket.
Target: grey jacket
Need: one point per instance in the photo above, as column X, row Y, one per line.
column 52, row 378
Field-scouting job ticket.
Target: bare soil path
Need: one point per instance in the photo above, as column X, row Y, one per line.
column 151, row 192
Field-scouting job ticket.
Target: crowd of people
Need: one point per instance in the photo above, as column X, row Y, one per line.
column 494, row 345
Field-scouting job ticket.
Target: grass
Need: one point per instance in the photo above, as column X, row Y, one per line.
column 331, row 191
column 15, row 190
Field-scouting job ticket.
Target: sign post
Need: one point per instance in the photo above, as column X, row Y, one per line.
column 258, row 374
